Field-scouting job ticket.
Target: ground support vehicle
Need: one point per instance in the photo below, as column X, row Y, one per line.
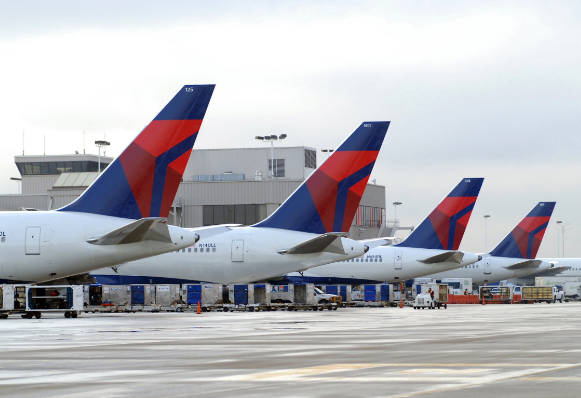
column 495, row 294
column 539, row 294
column 32, row 301
column 569, row 285
column 424, row 300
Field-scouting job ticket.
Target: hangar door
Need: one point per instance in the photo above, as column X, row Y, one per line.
column 32, row 240
column 238, row 250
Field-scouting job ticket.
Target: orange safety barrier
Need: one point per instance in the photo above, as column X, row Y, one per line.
column 462, row 299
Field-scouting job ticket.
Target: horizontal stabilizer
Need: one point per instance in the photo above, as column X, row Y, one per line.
column 329, row 242
column 446, row 257
column 552, row 271
column 152, row 228
column 376, row 242
column 524, row 264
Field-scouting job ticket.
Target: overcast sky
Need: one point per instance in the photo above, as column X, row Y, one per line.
column 473, row 89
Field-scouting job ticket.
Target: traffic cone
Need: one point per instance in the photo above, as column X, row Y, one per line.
column 483, row 301
column 199, row 311
column 400, row 303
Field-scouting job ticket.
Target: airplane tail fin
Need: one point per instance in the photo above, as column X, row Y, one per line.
column 524, row 241
column 142, row 182
column 444, row 228
column 328, row 199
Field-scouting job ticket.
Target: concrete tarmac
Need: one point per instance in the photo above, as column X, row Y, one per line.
column 463, row 351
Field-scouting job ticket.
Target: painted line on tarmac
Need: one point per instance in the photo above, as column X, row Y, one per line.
column 489, row 380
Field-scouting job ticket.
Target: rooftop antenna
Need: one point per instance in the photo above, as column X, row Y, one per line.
column 84, row 142
column 44, row 149
column 104, row 148
column 23, row 143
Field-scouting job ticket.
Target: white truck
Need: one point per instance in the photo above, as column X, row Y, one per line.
column 290, row 294
column 570, row 284
column 325, row 298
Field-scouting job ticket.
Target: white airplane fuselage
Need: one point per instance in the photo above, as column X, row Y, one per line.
column 382, row 264
column 490, row 269
column 239, row 255
column 48, row 245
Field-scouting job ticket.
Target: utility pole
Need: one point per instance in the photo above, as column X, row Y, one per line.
column 101, row 144
column 486, row 217
column 271, row 139
column 558, row 237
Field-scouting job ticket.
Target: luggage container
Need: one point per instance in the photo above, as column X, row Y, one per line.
column 304, row 294
column 262, row 294
column 280, row 294
column 537, row 294
column 370, row 293
column 7, row 298
column 386, row 293
column 167, row 295
column 208, row 295
column 95, row 302
column 241, row 294
column 496, row 294
column 56, row 298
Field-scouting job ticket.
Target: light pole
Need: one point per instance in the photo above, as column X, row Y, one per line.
column 101, row 144
column 19, row 183
column 395, row 204
column 271, row 139
column 486, row 217
column 558, row 237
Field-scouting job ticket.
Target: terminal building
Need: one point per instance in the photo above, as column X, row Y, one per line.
column 219, row 186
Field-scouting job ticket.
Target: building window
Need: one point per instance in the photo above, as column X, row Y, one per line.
column 233, row 214
column 310, row 159
column 278, row 167
column 367, row 216
column 376, row 217
column 55, row 168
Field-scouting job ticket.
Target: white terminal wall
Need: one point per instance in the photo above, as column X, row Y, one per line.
column 247, row 161
column 192, row 196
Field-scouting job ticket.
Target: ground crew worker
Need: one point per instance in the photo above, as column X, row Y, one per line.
column 465, row 292
column 431, row 292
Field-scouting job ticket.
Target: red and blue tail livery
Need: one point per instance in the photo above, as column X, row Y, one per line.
column 444, row 228
column 144, row 179
column 328, row 199
column 524, row 241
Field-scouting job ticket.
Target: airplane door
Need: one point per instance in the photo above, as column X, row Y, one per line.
column 32, row 241
column 487, row 269
column 238, row 250
column 398, row 260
